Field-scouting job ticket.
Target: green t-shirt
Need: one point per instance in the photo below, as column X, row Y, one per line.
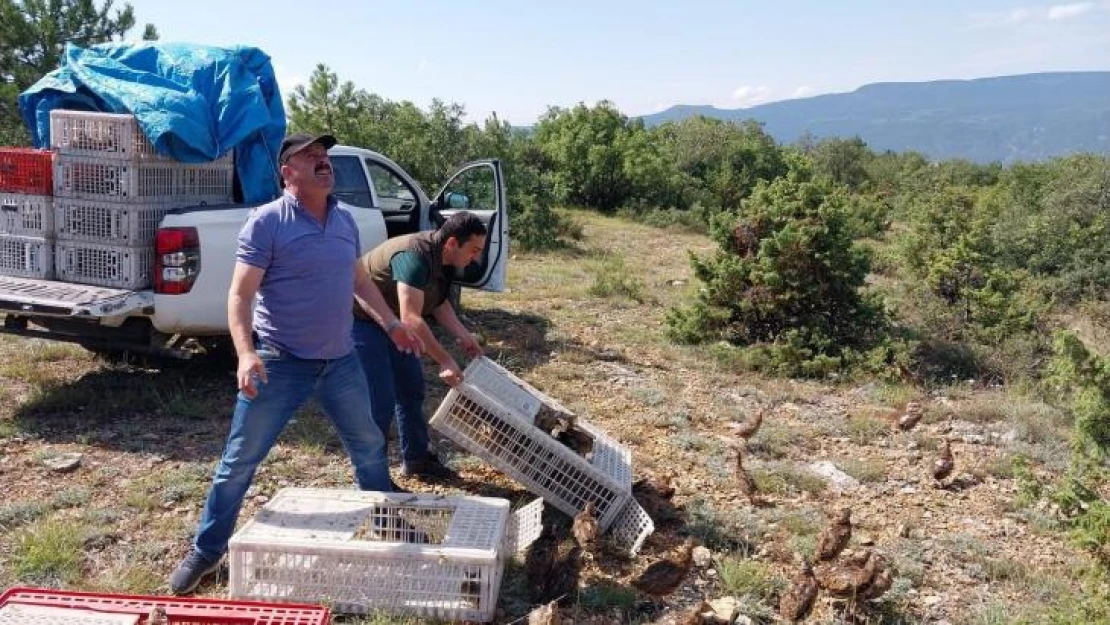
column 409, row 268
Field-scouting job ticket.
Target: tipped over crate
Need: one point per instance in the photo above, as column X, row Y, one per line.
column 430, row 556
column 42, row 606
column 493, row 414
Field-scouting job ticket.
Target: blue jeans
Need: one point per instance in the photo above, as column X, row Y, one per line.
column 396, row 381
column 339, row 386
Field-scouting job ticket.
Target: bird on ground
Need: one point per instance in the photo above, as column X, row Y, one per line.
column 797, row 603
column 834, row 538
column 662, row 577
column 943, row 465
column 546, row 614
column 585, row 528
column 882, row 580
column 745, row 480
column 696, row 615
column 562, row 579
column 539, row 560
column 851, row 577
column 910, row 417
column 748, row 428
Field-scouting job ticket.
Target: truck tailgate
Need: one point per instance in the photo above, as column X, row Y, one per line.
column 27, row 296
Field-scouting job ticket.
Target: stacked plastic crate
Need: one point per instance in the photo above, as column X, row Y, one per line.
column 111, row 190
column 26, row 213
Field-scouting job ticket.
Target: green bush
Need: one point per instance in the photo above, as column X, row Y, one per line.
column 786, row 282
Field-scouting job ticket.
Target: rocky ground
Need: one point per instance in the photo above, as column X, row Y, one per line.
column 104, row 468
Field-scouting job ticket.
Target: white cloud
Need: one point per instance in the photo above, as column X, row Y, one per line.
column 421, row 66
column 748, row 95
column 803, row 91
column 1066, row 11
column 1019, row 15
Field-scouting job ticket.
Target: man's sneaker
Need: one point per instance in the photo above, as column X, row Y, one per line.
column 191, row 571
column 429, row 468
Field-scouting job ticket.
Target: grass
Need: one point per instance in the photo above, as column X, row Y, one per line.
column 865, row 429
column 49, row 554
column 864, row 470
column 743, row 577
column 612, row 279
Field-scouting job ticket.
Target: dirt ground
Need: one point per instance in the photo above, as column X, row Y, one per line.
column 977, row 548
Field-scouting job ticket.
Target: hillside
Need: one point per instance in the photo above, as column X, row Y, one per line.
column 1010, row 118
column 965, row 551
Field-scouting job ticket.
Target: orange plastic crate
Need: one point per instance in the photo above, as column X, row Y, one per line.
column 23, row 170
column 180, row 610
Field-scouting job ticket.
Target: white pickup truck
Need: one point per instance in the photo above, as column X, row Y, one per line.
column 185, row 311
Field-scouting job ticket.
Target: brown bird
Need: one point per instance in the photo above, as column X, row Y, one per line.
column 539, row 559
column 158, row 616
column 654, row 494
column 834, row 538
column 547, row 614
column 748, row 428
column 662, row 577
column 745, row 480
column 943, row 465
column 881, row 582
column 910, row 417
column 798, row 601
column 695, row 615
column 585, row 527
column 849, row 579
column 562, row 580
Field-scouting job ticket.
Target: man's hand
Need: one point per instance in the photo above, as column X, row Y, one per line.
column 450, row 373
column 250, row 370
column 405, row 339
column 470, row 345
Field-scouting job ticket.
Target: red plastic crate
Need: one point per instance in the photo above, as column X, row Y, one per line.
column 23, row 170
column 180, row 610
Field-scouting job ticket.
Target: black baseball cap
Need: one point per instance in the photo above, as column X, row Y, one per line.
column 298, row 141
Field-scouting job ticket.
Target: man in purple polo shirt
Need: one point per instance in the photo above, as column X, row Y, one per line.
column 298, row 255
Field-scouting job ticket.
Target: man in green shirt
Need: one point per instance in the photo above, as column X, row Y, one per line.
column 414, row 273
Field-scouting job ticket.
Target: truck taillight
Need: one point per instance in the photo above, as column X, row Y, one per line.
column 176, row 260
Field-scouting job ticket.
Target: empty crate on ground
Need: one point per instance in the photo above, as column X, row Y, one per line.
column 430, row 556
column 549, row 450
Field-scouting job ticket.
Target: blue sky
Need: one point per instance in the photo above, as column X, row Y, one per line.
column 518, row 58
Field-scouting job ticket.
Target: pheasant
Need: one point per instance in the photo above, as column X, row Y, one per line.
column 745, row 480
column 748, row 428
column 662, row 577
column 585, row 528
column 695, row 615
column 943, row 465
column 539, row 560
column 562, row 580
column 834, row 538
column 796, row 604
column 911, row 416
column 881, row 582
column 546, row 614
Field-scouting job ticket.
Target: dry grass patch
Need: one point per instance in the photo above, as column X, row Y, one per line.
column 48, row 554
column 864, row 469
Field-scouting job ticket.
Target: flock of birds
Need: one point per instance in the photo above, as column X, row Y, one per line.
column 851, row 577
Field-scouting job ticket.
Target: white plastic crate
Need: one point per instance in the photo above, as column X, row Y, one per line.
column 115, row 180
column 109, row 223
column 429, row 556
column 108, row 135
column 27, row 215
column 26, row 257
column 632, row 527
column 491, row 415
column 117, row 266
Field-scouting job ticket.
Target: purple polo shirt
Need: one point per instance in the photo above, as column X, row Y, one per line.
column 304, row 301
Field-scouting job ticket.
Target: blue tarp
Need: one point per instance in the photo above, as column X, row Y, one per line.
column 193, row 102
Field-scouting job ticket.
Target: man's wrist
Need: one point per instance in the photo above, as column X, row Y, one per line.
column 392, row 325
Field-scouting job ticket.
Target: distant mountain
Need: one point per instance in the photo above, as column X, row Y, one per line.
column 1008, row 118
